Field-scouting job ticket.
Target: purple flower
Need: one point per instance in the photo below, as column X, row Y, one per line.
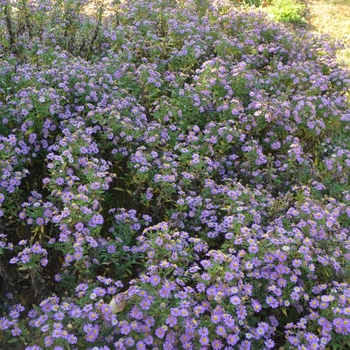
column 59, row 181
column 111, row 249
column 58, row 277
column 16, row 332
column 125, row 328
column 100, row 291
column 256, row 305
column 97, row 219
column 221, row 331
column 271, row 301
column 217, row 345
column 25, row 258
column 56, row 333
column 79, row 226
column 75, row 312
column 160, row 332
column 235, row 300
column 269, row 344
column 171, row 321
column 93, row 316
column 72, row 339
column 204, row 340
column 48, row 341
column 95, row 186
column 232, row 339
column 203, row 331
column 215, row 318
column 140, row 345
column 14, row 314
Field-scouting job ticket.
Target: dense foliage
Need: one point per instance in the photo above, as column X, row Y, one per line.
column 174, row 175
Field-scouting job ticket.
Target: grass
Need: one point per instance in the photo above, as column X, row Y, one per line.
column 289, row 11
column 331, row 17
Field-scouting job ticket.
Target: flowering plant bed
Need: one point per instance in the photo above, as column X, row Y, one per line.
column 174, row 175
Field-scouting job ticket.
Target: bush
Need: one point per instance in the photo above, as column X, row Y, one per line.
column 172, row 174
column 287, row 11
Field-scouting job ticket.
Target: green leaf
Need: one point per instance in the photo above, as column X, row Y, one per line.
column 13, row 340
column 118, row 189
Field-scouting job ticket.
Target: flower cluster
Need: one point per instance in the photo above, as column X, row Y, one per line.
column 173, row 175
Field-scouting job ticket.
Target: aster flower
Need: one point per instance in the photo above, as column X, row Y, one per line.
column 256, row 305
column 160, row 332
